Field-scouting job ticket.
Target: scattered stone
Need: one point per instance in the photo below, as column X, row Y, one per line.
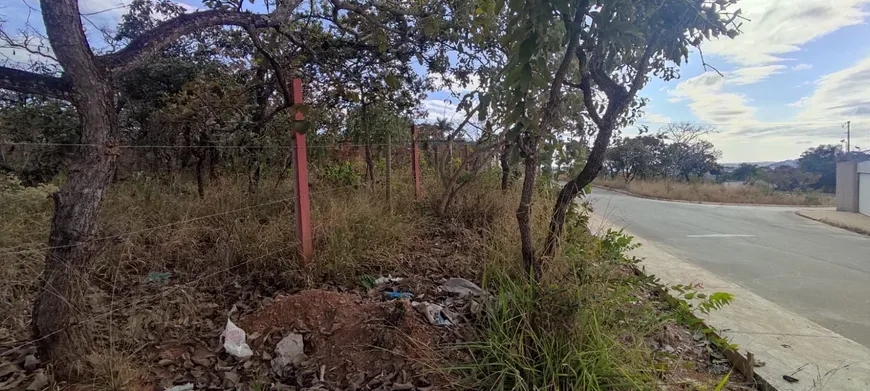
column 31, row 362
column 462, row 287
column 289, row 351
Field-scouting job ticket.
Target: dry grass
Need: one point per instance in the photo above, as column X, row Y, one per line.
column 215, row 259
column 242, row 258
column 713, row 192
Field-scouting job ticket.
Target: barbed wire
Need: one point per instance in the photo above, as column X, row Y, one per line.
column 275, row 146
column 5, row 251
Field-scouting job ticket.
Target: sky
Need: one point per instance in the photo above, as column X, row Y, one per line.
column 799, row 71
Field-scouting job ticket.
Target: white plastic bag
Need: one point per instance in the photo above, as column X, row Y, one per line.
column 234, row 341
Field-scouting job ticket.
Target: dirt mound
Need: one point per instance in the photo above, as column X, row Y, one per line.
column 350, row 342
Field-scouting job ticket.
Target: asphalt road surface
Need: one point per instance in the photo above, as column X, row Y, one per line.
column 819, row 272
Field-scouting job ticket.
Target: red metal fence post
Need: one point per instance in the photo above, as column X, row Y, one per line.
column 303, row 200
column 415, row 162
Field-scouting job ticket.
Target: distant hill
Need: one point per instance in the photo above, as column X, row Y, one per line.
column 789, row 162
column 769, row 164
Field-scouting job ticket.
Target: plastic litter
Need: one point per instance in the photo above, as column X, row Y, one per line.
column 398, row 295
column 158, row 278
column 289, row 351
column 389, row 278
column 462, row 287
column 183, row 387
column 435, row 313
column 234, row 341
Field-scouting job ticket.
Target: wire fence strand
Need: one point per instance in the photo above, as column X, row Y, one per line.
column 6, row 251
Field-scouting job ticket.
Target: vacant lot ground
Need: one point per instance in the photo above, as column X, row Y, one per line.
column 175, row 267
column 714, row 192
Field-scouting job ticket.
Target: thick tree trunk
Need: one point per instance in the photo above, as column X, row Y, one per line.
column 524, row 213
column 61, row 317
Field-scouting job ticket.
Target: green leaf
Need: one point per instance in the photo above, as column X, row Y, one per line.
column 301, row 126
column 562, row 6
column 393, row 81
column 721, row 385
column 516, row 5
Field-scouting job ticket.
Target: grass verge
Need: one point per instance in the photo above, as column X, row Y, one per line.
column 590, row 324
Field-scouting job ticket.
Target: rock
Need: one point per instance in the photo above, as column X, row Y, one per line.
column 31, row 362
column 462, row 287
column 289, row 351
column 40, row 382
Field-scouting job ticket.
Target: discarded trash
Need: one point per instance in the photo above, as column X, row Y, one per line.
column 435, row 313
column 790, row 379
column 398, row 295
column 183, row 387
column 234, row 341
column 289, row 351
column 462, row 287
column 158, row 277
column 389, row 278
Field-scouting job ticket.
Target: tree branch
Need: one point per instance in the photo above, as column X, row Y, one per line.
column 151, row 42
column 34, row 83
column 279, row 72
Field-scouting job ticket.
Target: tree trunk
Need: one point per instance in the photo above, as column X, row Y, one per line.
column 505, row 167
column 254, row 177
column 61, row 316
column 200, row 188
column 572, row 188
column 212, row 162
column 370, row 164
column 524, row 212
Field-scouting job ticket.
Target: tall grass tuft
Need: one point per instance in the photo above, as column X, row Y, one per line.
column 568, row 331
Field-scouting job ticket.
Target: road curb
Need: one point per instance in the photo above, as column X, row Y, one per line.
column 628, row 193
column 835, row 224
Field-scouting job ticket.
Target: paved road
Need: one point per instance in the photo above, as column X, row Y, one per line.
column 817, row 271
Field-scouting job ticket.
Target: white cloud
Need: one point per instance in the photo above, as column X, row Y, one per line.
column 802, row 67
column 705, row 97
column 450, row 83
column 802, row 102
column 437, row 109
column 841, row 96
column 779, row 27
column 655, row 118
column 752, row 75
column 743, row 137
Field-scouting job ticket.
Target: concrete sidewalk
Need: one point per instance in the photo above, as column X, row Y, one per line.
column 787, row 343
column 854, row 222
